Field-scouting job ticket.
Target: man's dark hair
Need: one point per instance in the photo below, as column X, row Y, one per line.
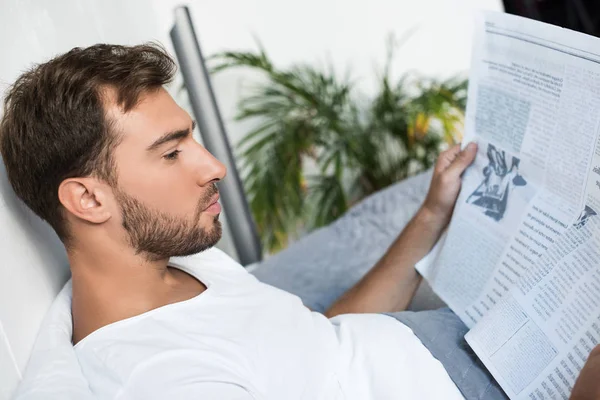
column 55, row 125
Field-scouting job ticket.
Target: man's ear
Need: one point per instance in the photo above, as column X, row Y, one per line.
column 85, row 198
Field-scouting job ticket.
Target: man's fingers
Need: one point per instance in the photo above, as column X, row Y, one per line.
column 447, row 157
column 463, row 160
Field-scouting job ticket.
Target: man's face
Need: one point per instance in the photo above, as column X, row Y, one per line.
column 166, row 180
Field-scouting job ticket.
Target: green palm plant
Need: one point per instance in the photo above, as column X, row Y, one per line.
column 318, row 146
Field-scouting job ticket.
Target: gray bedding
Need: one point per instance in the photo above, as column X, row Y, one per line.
column 324, row 264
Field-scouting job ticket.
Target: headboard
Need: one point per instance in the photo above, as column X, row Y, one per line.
column 33, row 269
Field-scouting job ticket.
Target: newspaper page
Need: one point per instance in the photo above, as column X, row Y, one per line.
column 533, row 108
column 537, row 338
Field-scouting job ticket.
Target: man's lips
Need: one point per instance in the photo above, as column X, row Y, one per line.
column 214, row 207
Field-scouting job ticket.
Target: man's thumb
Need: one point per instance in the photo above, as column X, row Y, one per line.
column 464, row 159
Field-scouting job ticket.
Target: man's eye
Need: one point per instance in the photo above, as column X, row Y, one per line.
column 172, row 156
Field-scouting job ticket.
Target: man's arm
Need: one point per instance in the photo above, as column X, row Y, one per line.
column 390, row 285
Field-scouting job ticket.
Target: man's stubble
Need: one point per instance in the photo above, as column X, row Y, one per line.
column 160, row 235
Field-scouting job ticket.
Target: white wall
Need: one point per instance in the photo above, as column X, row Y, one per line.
column 349, row 33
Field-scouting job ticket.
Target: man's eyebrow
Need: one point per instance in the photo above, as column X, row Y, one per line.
column 171, row 136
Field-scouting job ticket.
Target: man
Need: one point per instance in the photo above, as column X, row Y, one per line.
column 95, row 146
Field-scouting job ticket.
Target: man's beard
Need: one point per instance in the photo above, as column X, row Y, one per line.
column 160, row 235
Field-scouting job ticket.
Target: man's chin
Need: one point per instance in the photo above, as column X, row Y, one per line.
column 191, row 243
column 198, row 247
column 217, row 230
column 211, row 236
column 212, row 226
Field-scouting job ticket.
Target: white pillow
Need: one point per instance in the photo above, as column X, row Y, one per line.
column 53, row 372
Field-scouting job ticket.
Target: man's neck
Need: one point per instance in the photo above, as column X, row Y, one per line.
column 109, row 286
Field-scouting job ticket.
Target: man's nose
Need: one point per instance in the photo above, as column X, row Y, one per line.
column 210, row 169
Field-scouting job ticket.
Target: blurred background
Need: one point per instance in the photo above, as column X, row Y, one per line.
column 324, row 101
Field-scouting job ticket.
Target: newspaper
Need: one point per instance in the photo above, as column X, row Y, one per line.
column 520, row 262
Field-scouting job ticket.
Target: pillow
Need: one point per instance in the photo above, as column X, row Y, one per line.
column 53, row 372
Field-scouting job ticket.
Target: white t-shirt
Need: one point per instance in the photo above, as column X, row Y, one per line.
column 242, row 339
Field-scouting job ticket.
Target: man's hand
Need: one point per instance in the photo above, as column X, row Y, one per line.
column 446, row 181
column 390, row 285
column 587, row 386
